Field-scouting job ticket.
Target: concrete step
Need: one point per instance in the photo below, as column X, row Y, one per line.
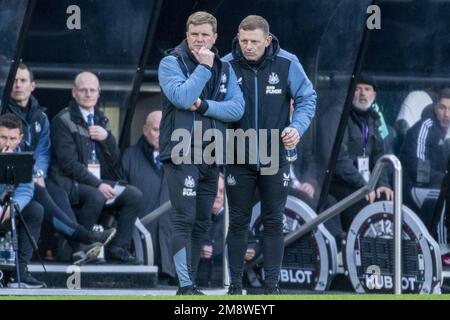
column 103, row 276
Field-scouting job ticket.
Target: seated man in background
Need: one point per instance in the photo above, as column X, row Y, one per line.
column 57, row 209
column 11, row 134
column 144, row 170
column 424, row 163
column 412, row 108
column 361, row 147
column 86, row 164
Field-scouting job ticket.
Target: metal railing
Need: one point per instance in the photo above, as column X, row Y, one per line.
column 155, row 214
column 351, row 200
column 330, row 213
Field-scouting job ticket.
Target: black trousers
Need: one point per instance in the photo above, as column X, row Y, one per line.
column 32, row 214
column 58, row 212
column 192, row 190
column 341, row 191
column 241, row 184
column 128, row 203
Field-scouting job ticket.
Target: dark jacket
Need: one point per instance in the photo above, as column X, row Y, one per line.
column 422, row 154
column 72, row 148
column 36, row 129
column 142, row 172
column 182, row 81
column 352, row 147
column 268, row 88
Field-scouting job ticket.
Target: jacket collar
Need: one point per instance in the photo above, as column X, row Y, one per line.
column 33, row 105
column 147, row 150
column 77, row 117
column 271, row 51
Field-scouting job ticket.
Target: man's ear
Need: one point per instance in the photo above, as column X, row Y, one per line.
column 268, row 40
column 33, row 86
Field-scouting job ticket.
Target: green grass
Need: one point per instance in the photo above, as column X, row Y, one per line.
column 242, row 298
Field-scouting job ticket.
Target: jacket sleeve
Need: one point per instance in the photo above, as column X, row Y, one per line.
column 111, row 151
column 304, row 96
column 377, row 153
column 345, row 168
column 126, row 163
column 182, row 92
column 23, row 195
column 232, row 107
column 67, row 157
column 408, row 155
column 42, row 151
column 416, row 148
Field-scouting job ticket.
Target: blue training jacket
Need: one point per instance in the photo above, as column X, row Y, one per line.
column 268, row 87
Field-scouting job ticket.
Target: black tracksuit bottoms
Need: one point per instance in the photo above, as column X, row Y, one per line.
column 241, row 183
column 192, row 191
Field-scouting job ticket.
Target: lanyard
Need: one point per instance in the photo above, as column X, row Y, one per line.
column 365, row 134
column 90, row 121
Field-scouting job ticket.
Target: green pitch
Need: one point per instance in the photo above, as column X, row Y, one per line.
column 243, row 298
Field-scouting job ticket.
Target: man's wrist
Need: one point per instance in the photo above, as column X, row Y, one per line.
column 206, row 66
column 39, row 174
column 203, row 107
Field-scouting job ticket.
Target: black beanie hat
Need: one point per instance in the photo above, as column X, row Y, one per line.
column 366, row 79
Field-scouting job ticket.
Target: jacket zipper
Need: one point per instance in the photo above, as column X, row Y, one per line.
column 256, row 120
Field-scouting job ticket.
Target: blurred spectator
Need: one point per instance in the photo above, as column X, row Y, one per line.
column 11, row 135
column 424, row 162
column 37, row 139
column 361, row 147
column 411, row 110
column 143, row 169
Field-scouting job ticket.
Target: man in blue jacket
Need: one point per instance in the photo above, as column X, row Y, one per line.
column 200, row 92
column 11, row 135
column 269, row 77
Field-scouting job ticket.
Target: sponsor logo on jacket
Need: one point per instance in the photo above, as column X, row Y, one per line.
column 189, row 184
column 231, row 180
column 273, row 80
column 223, row 83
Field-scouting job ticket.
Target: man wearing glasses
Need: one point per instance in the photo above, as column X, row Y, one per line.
column 86, row 164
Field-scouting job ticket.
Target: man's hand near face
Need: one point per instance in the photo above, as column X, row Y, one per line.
column 7, row 150
column 204, row 56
